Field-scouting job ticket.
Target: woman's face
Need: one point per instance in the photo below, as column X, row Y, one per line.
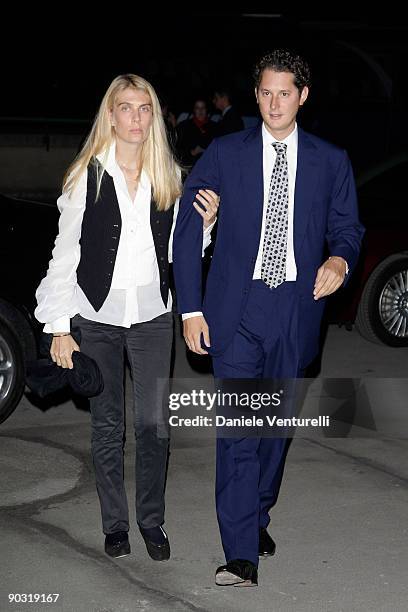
column 200, row 110
column 132, row 115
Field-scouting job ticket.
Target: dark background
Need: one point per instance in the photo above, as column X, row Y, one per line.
column 57, row 68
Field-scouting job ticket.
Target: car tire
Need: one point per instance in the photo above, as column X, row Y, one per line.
column 11, row 371
column 382, row 315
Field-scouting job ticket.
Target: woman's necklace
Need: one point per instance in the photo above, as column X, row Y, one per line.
column 130, row 177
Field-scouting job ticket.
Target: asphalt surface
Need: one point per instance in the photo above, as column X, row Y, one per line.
column 340, row 524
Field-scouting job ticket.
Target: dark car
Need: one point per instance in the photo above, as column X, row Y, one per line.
column 376, row 297
column 27, row 232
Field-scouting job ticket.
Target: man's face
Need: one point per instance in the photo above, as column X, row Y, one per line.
column 132, row 116
column 219, row 101
column 279, row 100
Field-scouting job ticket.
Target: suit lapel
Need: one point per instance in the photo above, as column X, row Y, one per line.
column 251, row 166
column 307, row 176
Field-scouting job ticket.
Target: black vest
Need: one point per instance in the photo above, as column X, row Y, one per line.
column 100, row 234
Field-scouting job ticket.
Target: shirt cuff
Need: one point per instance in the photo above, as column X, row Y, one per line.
column 62, row 325
column 190, row 315
column 207, row 230
column 207, row 237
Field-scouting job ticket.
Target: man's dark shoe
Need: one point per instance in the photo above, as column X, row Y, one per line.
column 157, row 543
column 117, row 544
column 267, row 546
column 238, row 572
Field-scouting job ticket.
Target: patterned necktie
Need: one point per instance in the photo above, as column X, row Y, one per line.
column 273, row 271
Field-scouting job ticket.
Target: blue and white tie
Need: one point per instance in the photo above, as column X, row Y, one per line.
column 273, row 271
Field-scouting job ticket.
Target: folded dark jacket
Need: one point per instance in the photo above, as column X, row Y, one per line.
column 43, row 376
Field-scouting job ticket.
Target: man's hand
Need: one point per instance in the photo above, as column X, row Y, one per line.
column 192, row 330
column 61, row 351
column 330, row 276
column 210, row 200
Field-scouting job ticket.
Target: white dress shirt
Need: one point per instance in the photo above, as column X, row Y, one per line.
column 134, row 295
column 269, row 157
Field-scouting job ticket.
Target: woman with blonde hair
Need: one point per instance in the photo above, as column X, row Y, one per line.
column 108, row 281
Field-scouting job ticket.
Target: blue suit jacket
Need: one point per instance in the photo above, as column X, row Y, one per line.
column 325, row 211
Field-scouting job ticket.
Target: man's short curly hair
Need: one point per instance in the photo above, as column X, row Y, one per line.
column 284, row 60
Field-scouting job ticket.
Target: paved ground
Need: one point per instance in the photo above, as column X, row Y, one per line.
column 340, row 525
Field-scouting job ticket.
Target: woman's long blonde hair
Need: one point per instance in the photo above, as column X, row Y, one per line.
column 157, row 158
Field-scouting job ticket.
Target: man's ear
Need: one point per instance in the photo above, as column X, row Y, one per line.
column 256, row 95
column 303, row 95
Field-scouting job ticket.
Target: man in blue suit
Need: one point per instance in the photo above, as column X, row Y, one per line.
column 286, row 196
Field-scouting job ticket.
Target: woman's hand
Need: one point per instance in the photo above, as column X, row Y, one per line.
column 210, row 201
column 61, row 351
column 197, row 151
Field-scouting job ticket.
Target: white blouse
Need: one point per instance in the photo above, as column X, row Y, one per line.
column 134, row 295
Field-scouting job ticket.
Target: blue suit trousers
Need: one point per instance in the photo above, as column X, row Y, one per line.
column 249, row 469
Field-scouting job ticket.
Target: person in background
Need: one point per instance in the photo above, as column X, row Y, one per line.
column 195, row 134
column 231, row 121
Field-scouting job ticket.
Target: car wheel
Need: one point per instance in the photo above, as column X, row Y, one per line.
column 11, row 372
column 382, row 314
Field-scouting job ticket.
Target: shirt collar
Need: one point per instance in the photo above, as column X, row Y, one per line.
column 269, row 139
column 107, row 158
column 226, row 109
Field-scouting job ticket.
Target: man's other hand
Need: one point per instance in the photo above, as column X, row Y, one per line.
column 330, row 277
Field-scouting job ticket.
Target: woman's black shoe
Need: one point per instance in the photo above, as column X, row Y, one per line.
column 117, row 544
column 157, row 543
